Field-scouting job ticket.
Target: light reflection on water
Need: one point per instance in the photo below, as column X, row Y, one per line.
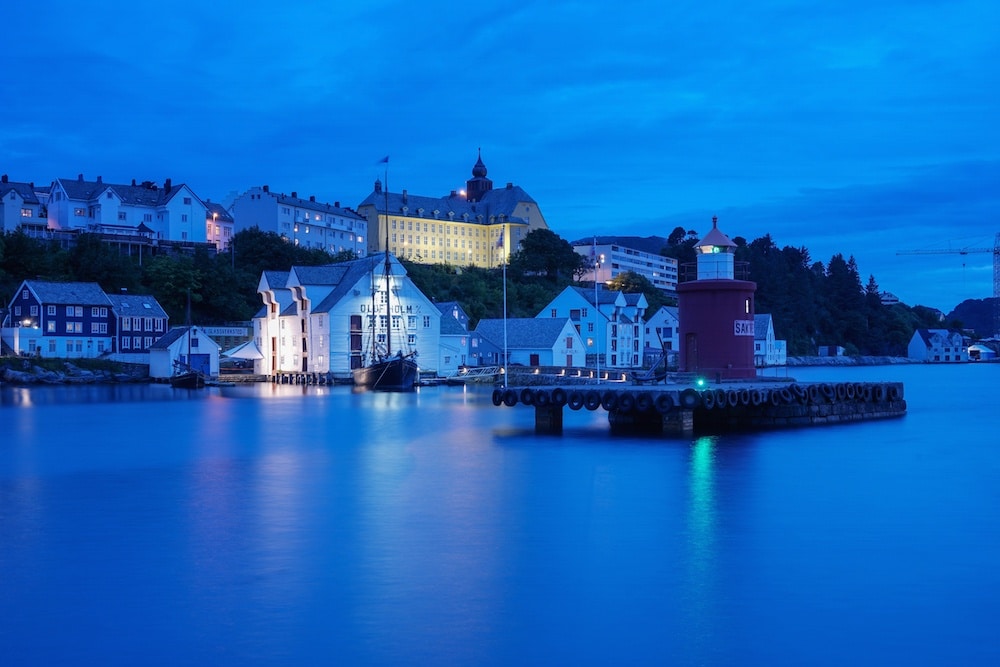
column 303, row 525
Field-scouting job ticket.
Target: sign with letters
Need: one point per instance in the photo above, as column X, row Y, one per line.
column 743, row 327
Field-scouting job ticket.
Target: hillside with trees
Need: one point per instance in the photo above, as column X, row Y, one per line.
column 812, row 303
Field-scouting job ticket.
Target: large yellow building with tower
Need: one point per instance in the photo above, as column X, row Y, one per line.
column 480, row 227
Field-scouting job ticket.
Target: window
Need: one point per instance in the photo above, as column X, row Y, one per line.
column 569, row 342
column 184, row 217
column 148, row 323
column 121, row 216
column 52, row 347
column 147, row 341
column 25, row 212
column 94, row 311
column 33, row 310
column 50, row 326
column 94, row 327
column 125, row 342
column 69, row 311
column 147, row 217
column 411, row 339
column 427, row 321
column 136, row 324
column 552, row 313
column 135, row 342
column 125, row 323
column 50, row 310
column 17, row 311
column 187, row 200
column 80, row 212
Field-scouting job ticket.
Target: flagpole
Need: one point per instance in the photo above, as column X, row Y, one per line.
column 597, row 312
column 503, row 258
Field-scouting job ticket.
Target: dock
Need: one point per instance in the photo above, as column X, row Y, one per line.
column 725, row 407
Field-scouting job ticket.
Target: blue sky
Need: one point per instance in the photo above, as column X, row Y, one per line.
column 863, row 128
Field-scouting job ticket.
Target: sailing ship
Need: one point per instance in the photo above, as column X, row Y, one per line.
column 386, row 371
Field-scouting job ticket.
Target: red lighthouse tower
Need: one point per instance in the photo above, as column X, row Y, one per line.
column 716, row 313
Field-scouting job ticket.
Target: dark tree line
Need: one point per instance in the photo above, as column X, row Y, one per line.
column 812, row 304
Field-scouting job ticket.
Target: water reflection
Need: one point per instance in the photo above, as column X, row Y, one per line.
column 703, row 559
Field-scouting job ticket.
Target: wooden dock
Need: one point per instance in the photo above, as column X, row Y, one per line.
column 735, row 406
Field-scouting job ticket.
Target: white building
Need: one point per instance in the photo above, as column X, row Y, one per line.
column 219, row 226
column 22, row 205
column 612, row 259
column 326, row 319
column 609, row 323
column 144, row 210
column 304, row 222
column 189, row 346
column 535, row 341
column 766, row 350
column 937, row 345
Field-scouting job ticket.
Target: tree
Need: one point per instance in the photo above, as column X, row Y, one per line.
column 543, row 253
column 630, row 282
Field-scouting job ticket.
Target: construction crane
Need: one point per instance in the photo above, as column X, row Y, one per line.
column 968, row 251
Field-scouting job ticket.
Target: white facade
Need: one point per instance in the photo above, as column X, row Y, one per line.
column 536, row 341
column 661, row 329
column 189, row 345
column 613, row 329
column 766, row 350
column 937, row 345
column 21, row 204
column 319, row 319
column 169, row 213
column 612, row 259
column 304, row 222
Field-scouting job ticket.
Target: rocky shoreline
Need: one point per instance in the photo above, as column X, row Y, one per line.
column 72, row 374
column 848, row 361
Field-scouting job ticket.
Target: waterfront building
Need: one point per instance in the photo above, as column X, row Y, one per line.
column 51, row 319
column 303, row 222
column 322, row 319
column 660, row 336
column 610, row 259
column 937, row 345
column 188, row 346
column 717, row 313
column 22, row 206
column 456, row 343
column 141, row 211
column 479, row 226
column 767, row 350
column 535, row 342
column 139, row 322
column 219, row 226
column 609, row 323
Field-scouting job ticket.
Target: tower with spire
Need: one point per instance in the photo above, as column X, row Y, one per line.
column 477, row 186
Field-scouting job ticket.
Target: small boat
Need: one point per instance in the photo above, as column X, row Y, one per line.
column 188, row 380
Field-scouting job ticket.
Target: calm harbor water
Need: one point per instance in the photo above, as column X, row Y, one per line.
column 268, row 525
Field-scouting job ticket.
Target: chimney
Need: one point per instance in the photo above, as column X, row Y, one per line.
column 133, row 182
column 510, row 186
column 267, row 188
column 3, row 179
column 404, row 196
column 166, row 185
column 295, row 195
column 79, row 178
column 99, row 179
column 312, row 198
column 336, row 204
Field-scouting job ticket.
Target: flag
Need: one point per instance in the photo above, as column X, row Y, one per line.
column 500, row 240
column 384, row 160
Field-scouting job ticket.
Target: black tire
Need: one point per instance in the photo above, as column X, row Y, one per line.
column 880, row 393
column 757, row 397
column 851, row 390
column 841, row 391
column 575, row 400
column 528, row 396
column 774, row 397
column 626, row 402
column 591, row 400
column 798, row 392
column 895, row 392
column 542, row 398
column 643, row 401
column 559, row 396
column 690, row 399
column 812, row 391
column 708, row 399
column 828, row 390
column 609, row 400
column 497, row 396
column 510, row 398
column 664, row 403
column 787, row 397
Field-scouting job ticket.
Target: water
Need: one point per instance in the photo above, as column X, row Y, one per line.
column 269, row 525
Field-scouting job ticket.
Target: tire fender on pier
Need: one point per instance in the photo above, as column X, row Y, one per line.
column 757, row 397
column 880, row 393
column 592, row 400
column 841, row 391
column 575, row 400
column 812, row 391
column 626, row 402
column 559, row 396
column 664, row 403
column 786, row 395
column 708, row 399
column 542, row 398
column 851, row 390
column 510, row 398
column 609, row 400
column 828, row 391
column 497, row 396
column 732, row 398
column 690, row 399
column 643, row 401
column 528, row 396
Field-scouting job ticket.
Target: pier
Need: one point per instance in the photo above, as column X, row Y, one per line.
column 732, row 406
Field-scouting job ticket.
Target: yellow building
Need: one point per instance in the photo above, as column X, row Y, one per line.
column 478, row 227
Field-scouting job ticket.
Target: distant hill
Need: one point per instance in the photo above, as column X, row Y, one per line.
column 651, row 244
column 976, row 314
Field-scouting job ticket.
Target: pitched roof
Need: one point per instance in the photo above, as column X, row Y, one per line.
column 353, row 272
column 136, row 305
column 78, row 294
column 496, row 202
column 319, row 207
column 26, row 191
column 604, row 295
column 217, row 212
column 144, row 194
column 523, row 333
